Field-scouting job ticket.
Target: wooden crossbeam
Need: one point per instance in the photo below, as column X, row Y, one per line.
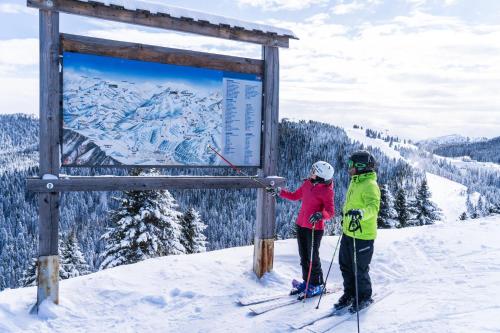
column 135, row 51
column 160, row 20
column 136, row 183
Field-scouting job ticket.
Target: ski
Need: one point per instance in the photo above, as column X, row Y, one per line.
column 256, row 299
column 338, row 317
column 263, row 307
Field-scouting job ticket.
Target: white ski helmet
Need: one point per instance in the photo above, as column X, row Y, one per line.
column 323, row 169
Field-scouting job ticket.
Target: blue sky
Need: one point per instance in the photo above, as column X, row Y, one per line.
column 419, row 68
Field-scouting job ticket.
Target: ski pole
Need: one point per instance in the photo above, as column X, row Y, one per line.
column 238, row 169
column 356, row 277
column 329, row 268
column 310, row 261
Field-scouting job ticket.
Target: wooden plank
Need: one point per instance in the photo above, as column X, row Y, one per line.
column 127, row 183
column 135, row 51
column 49, row 152
column 49, row 127
column 159, row 20
column 266, row 204
column 264, row 256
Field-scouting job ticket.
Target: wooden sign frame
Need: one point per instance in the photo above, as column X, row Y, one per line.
column 49, row 184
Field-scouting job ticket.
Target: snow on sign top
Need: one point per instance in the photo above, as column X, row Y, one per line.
column 182, row 13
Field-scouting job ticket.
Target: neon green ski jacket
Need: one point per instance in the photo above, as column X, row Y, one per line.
column 363, row 194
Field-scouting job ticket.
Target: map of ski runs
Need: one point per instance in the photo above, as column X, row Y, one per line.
column 134, row 121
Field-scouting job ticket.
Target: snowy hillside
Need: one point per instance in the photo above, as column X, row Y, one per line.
column 357, row 134
column 442, row 278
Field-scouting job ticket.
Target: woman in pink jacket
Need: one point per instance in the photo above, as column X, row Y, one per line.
column 317, row 195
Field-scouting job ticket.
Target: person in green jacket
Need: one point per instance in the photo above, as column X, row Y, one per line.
column 359, row 226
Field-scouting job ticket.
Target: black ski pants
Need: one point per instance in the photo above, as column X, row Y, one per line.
column 364, row 251
column 304, row 239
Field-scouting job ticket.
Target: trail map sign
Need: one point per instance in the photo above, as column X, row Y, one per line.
column 128, row 112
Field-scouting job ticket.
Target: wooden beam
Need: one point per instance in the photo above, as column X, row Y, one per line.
column 49, row 154
column 159, row 20
column 129, row 183
column 135, row 51
column 266, row 204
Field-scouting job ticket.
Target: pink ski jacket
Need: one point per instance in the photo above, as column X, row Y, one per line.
column 315, row 198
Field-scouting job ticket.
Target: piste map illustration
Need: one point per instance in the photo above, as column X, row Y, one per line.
column 126, row 112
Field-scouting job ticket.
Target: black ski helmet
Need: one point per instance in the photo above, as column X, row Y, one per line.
column 362, row 161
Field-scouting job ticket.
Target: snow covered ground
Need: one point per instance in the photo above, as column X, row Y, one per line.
column 443, row 278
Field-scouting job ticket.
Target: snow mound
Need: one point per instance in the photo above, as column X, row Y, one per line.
column 443, row 278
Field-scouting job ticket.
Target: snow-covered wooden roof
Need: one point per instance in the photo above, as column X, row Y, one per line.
column 172, row 18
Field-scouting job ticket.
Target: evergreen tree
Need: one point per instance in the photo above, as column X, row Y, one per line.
column 401, row 208
column 387, row 214
column 30, row 275
column 471, row 210
column 146, row 225
column 463, row 216
column 481, row 207
column 193, row 239
column 72, row 262
column 426, row 211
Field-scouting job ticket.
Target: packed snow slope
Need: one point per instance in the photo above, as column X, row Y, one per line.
column 443, row 278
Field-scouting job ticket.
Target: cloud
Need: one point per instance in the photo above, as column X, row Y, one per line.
column 275, row 5
column 12, row 8
column 347, row 8
column 419, row 69
column 19, row 95
column 19, row 52
column 354, row 6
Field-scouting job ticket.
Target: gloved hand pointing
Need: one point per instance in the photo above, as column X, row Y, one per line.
column 274, row 191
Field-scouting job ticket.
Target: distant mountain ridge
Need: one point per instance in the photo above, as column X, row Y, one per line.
column 483, row 151
column 445, row 140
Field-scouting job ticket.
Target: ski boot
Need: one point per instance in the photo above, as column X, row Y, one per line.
column 297, row 287
column 314, row 290
column 362, row 304
column 344, row 301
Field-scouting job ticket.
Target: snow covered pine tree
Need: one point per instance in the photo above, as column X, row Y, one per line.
column 193, row 239
column 146, row 225
column 401, row 208
column 72, row 262
column 427, row 211
column 387, row 214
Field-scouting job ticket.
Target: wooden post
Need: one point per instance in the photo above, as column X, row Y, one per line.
column 266, row 205
column 48, row 261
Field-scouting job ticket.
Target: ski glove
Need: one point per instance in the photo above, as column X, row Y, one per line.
column 274, row 191
column 356, row 215
column 316, row 217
